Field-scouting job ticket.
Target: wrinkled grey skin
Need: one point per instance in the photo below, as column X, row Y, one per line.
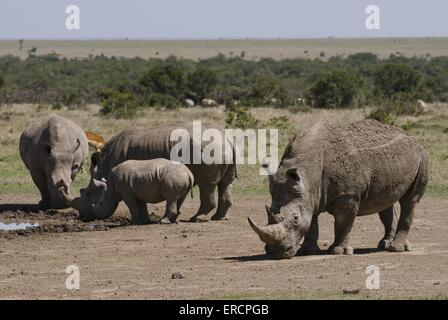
column 140, row 143
column 53, row 149
column 347, row 171
column 138, row 182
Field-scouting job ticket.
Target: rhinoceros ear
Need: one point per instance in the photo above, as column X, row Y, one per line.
column 95, row 140
column 293, row 174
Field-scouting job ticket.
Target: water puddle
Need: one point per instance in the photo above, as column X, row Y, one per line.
column 17, row 226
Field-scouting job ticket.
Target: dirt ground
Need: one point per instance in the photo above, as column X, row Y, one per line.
column 214, row 259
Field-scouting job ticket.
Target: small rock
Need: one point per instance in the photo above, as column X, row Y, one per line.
column 437, row 283
column 177, row 275
column 351, row 291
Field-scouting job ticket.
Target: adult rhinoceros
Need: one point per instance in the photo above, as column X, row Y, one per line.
column 348, row 171
column 53, row 149
column 140, row 143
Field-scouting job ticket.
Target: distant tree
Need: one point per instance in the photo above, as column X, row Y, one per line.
column 21, row 44
column 200, row 83
column 335, row 89
column 164, row 80
column 392, row 79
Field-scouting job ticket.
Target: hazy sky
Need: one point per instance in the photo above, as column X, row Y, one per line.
column 211, row 19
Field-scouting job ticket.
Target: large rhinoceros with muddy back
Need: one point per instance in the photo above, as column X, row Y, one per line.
column 347, row 171
column 141, row 143
column 53, row 149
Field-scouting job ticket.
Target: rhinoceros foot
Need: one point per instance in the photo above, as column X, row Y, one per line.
column 340, row 250
column 308, row 250
column 218, row 218
column 385, row 244
column 199, row 218
column 399, row 246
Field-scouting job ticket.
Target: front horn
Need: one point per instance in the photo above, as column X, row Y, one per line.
column 270, row 234
column 69, row 201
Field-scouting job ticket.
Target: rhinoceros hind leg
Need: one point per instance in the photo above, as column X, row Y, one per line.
column 40, row 180
column 208, row 202
column 389, row 219
column 344, row 211
column 170, row 213
column 224, row 194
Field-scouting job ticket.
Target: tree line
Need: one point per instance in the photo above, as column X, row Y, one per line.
column 123, row 84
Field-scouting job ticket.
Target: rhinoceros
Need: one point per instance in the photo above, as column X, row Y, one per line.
column 138, row 182
column 140, row 143
column 53, row 149
column 347, row 171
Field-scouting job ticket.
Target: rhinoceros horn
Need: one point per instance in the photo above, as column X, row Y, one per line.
column 68, row 199
column 270, row 234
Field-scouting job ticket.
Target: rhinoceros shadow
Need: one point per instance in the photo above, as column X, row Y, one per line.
column 260, row 257
column 14, row 207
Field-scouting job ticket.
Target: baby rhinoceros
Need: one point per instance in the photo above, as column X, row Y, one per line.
column 138, row 182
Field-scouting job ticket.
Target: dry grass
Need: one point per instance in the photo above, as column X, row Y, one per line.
column 253, row 49
column 431, row 130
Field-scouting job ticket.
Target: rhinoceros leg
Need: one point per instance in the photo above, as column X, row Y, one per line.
column 40, row 180
column 208, row 202
column 170, row 212
column 137, row 209
column 389, row 219
column 344, row 211
column 400, row 242
column 225, row 194
column 310, row 245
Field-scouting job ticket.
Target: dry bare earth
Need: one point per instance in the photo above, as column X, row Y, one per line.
column 217, row 259
column 253, row 49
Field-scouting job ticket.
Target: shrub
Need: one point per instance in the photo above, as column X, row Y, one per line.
column 2, row 81
column 335, row 89
column 281, row 123
column 391, row 79
column 382, row 115
column 118, row 104
column 240, row 117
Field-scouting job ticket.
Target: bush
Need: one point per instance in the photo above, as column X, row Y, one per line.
column 392, row 79
column 118, row 104
column 335, row 89
column 382, row 115
column 240, row 117
column 200, row 83
column 2, row 81
column 281, row 123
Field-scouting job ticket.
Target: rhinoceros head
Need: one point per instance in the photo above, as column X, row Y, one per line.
column 88, row 199
column 289, row 216
column 61, row 166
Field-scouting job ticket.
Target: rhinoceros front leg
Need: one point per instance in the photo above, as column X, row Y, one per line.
column 344, row 212
column 208, row 202
column 137, row 209
column 389, row 219
column 310, row 245
column 40, row 180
